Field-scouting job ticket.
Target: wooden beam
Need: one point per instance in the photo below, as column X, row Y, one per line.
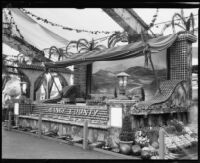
column 127, row 19
column 23, row 47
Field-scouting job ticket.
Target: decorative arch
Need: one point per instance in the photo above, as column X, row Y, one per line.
column 63, row 81
column 42, row 79
column 38, row 83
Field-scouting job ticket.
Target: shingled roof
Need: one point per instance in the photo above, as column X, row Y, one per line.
column 158, row 104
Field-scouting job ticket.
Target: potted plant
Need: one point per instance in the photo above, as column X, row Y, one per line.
column 126, row 136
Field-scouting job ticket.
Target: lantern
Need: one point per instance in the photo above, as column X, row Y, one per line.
column 23, row 86
column 123, row 80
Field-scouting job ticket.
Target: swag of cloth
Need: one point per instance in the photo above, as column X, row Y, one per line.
column 131, row 50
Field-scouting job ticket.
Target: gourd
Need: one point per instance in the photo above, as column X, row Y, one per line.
column 136, row 149
column 155, row 145
column 145, row 154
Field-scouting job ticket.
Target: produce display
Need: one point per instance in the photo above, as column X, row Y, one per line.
column 185, row 140
column 177, row 138
column 141, row 139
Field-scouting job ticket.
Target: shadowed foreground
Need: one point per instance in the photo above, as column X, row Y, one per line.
column 21, row 146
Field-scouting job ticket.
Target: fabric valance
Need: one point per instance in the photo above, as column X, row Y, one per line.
column 117, row 53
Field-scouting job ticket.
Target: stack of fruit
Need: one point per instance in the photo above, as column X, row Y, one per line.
column 187, row 142
column 193, row 140
column 170, row 143
column 141, row 139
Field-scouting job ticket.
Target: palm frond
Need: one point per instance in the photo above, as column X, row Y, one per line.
column 112, row 38
column 169, row 24
column 190, row 23
column 173, row 20
column 100, row 47
column 70, row 43
column 83, row 41
column 81, row 45
column 83, row 50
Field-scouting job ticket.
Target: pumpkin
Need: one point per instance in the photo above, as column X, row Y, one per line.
column 136, row 149
column 155, row 145
column 125, row 149
column 145, row 154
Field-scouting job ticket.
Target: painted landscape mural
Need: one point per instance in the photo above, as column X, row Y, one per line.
column 104, row 78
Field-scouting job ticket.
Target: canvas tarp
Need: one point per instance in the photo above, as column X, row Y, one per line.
column 131, row 50
column 34, row 33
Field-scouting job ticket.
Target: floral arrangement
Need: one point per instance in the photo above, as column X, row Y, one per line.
column 141, row 139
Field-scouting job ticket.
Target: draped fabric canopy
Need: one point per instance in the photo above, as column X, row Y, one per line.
column 117, row 53
column 34, row 33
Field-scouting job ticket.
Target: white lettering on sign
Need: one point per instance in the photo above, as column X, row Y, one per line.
column 84, row 112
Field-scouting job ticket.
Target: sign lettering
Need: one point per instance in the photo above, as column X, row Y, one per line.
column 84, row 112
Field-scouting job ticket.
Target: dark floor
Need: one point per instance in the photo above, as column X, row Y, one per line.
column 21, row 146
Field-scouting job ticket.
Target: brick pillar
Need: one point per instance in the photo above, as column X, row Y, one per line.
column 80, row 76
column 180, row 59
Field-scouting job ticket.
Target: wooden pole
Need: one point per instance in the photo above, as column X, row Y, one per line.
column 85, row 135
column 160, row 120
column 9, row 120
column 16, row 120
column 40, row 125
column 161, row 144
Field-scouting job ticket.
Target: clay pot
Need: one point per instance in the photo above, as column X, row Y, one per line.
column 125, row 147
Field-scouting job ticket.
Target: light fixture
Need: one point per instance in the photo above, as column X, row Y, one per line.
column 23, row 86
column 123, row 80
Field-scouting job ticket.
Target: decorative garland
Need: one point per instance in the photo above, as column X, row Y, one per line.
column 64, row 27
column 154, row 19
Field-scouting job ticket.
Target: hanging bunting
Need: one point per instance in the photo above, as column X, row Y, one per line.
column 64, row 27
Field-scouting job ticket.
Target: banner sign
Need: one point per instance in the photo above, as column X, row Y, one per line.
column 94, row 113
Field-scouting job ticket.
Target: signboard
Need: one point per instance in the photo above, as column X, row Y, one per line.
column 116, row 117
column 16, row 109
column 97, row 114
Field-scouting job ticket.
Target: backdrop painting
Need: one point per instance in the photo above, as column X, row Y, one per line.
column 104, row 78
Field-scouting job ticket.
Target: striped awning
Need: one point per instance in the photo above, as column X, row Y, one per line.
column 117, row 53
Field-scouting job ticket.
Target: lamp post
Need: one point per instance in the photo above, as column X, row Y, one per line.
column 123, row 80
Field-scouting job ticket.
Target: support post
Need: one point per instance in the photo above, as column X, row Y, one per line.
column 40, row 125
column 85, row 135
column 161, row 144
column 16, row 120
column 160, row 120
column 9, row 120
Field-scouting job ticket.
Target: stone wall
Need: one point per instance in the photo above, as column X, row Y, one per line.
column 94, row 134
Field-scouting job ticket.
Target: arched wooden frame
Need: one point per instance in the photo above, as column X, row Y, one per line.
column 41, row 79
column 25, row 78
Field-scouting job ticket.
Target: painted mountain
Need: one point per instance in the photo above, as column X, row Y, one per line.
column 105, row 81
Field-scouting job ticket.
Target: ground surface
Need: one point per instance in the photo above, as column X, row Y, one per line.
column 21, row 146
